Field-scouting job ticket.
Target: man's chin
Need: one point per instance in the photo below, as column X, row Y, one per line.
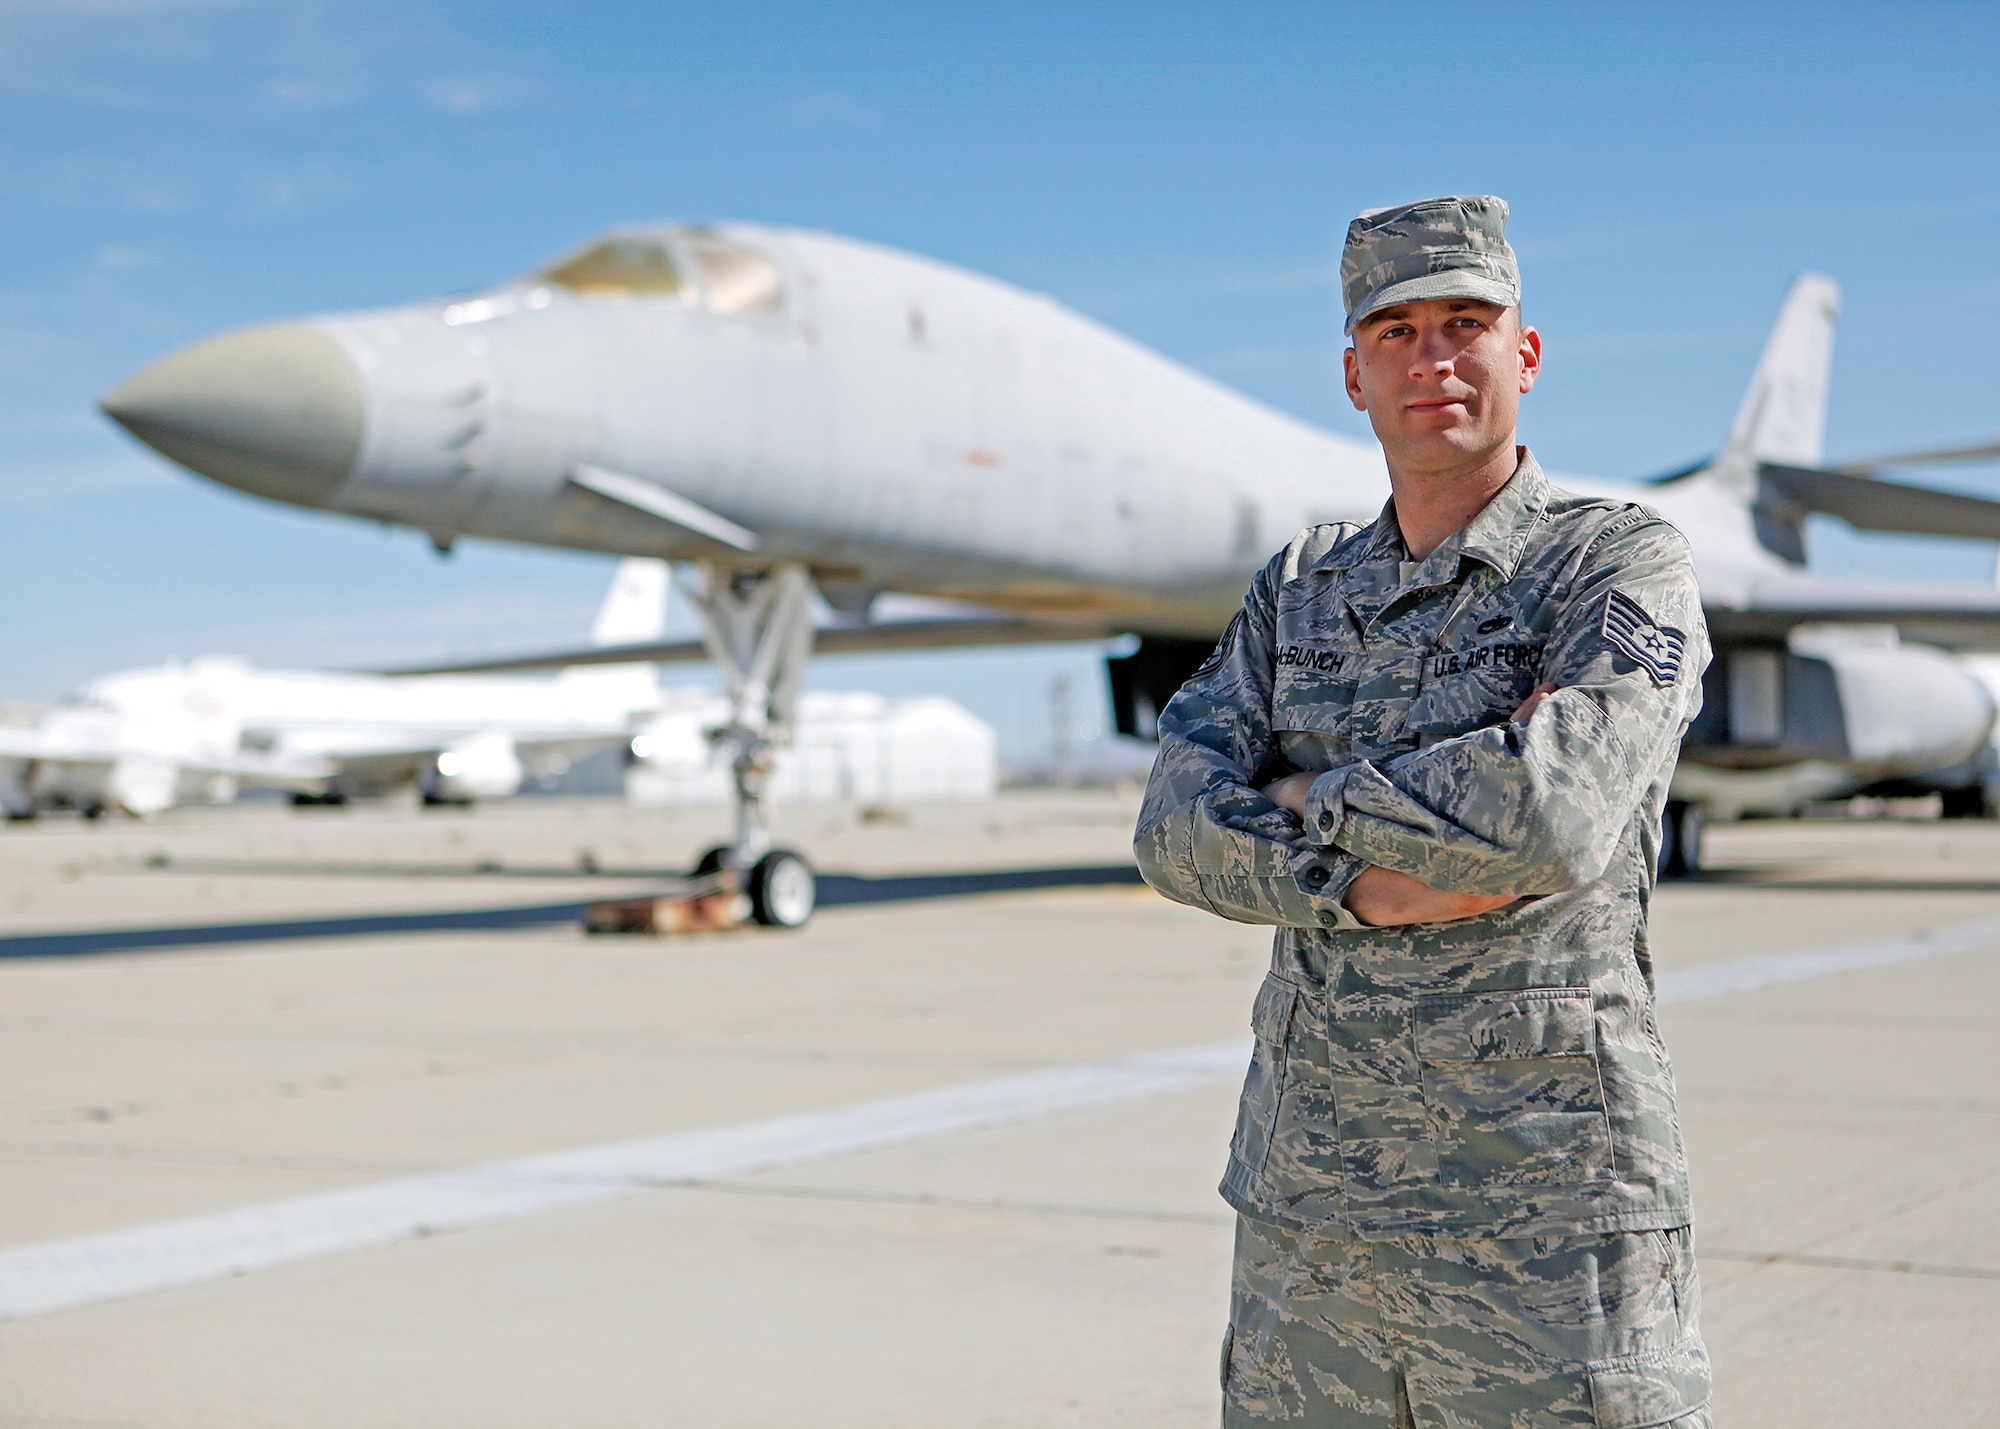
column 1446, row 451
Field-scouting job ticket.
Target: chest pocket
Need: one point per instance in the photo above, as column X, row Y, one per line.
column 1512, row 1085
column 1315, row 661
column 1475, row 687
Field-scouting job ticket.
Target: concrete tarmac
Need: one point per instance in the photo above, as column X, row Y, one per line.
column 1067, row 1270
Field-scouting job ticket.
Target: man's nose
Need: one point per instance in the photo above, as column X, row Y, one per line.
column 1434, row 362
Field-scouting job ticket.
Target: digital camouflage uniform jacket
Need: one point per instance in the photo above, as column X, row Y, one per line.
column 1500, row 1075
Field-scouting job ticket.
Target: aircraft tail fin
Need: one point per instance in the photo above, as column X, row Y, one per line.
column 1783, row 416
column 634, row 613
column 635, row 608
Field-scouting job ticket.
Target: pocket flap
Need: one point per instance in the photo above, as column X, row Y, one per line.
column 1528, row 1022
column 1271, row 1015
column 1651, row 1389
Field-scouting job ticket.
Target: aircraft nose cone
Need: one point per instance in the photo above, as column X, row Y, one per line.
column 274, row 411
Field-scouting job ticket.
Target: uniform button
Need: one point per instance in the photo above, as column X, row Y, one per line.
column 1325, row 819
column 1328, row 917
column 1317, row 875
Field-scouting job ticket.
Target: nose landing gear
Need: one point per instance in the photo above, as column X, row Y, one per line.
column 758, row 630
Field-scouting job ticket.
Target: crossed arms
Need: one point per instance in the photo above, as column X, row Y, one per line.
column 1536, row 805
column 1383, row 897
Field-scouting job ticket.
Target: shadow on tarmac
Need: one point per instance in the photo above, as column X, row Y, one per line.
column 836, row 890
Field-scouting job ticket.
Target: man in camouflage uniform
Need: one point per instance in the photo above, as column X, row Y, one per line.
column 1433, row 751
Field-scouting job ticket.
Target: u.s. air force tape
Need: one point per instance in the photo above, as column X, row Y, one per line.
column 1653, row 647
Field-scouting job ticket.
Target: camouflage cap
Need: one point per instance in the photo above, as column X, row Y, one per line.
column 1454, row 247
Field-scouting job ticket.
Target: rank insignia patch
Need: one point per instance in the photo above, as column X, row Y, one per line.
column 1656, row 649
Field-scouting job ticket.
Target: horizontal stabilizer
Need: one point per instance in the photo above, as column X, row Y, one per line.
column 829, row 640
column 1985, row 451
column 1872, row 504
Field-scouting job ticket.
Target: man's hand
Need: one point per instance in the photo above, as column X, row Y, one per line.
column 1290, row 792
column 1384, row 898
column 1534, row 702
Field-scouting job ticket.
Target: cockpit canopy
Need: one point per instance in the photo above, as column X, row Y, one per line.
column 689, row 267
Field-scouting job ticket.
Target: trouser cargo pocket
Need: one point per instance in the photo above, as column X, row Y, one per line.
column 1655, row 1389
column 1512, row 1088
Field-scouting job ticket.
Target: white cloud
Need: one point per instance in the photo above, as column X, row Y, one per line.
column 121, row 258
column 297, row 190
column 474, row 95
column 836, row 108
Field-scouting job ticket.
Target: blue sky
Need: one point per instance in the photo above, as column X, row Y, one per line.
column 1182, row 172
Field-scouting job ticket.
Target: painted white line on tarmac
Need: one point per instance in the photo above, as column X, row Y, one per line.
column 1759, row 970
column 60, row 1274
column 63, row 1274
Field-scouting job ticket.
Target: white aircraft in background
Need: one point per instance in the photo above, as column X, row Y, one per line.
column 795, row 411
column 143, row 740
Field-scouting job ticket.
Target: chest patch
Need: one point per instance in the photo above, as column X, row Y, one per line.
column 1653, row 647
column 1307, row 658
column 1501, row 655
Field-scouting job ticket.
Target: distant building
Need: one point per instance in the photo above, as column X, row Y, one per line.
column 858, row 747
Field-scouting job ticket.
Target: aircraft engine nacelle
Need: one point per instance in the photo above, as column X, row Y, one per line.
column 482, row 766
column 1860, row 700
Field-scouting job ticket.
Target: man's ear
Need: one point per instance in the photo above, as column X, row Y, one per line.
column 1531, row 358
column 1350, row 363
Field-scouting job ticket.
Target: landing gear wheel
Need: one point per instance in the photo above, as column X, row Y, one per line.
column 783, row 891
column 1680, row 838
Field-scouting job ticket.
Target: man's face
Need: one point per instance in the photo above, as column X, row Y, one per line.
column 1441, row 380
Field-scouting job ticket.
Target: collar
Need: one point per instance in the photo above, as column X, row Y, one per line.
column 1497, row 536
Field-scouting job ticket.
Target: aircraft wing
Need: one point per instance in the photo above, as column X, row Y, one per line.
column 280, row 772
column 1956, row 617
column 1873, row 504
column 828, row 640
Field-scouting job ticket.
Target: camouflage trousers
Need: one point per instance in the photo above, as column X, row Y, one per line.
column 1598, row 1332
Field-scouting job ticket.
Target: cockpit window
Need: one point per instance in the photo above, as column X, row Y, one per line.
column 621, row 268
column 734, row 280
